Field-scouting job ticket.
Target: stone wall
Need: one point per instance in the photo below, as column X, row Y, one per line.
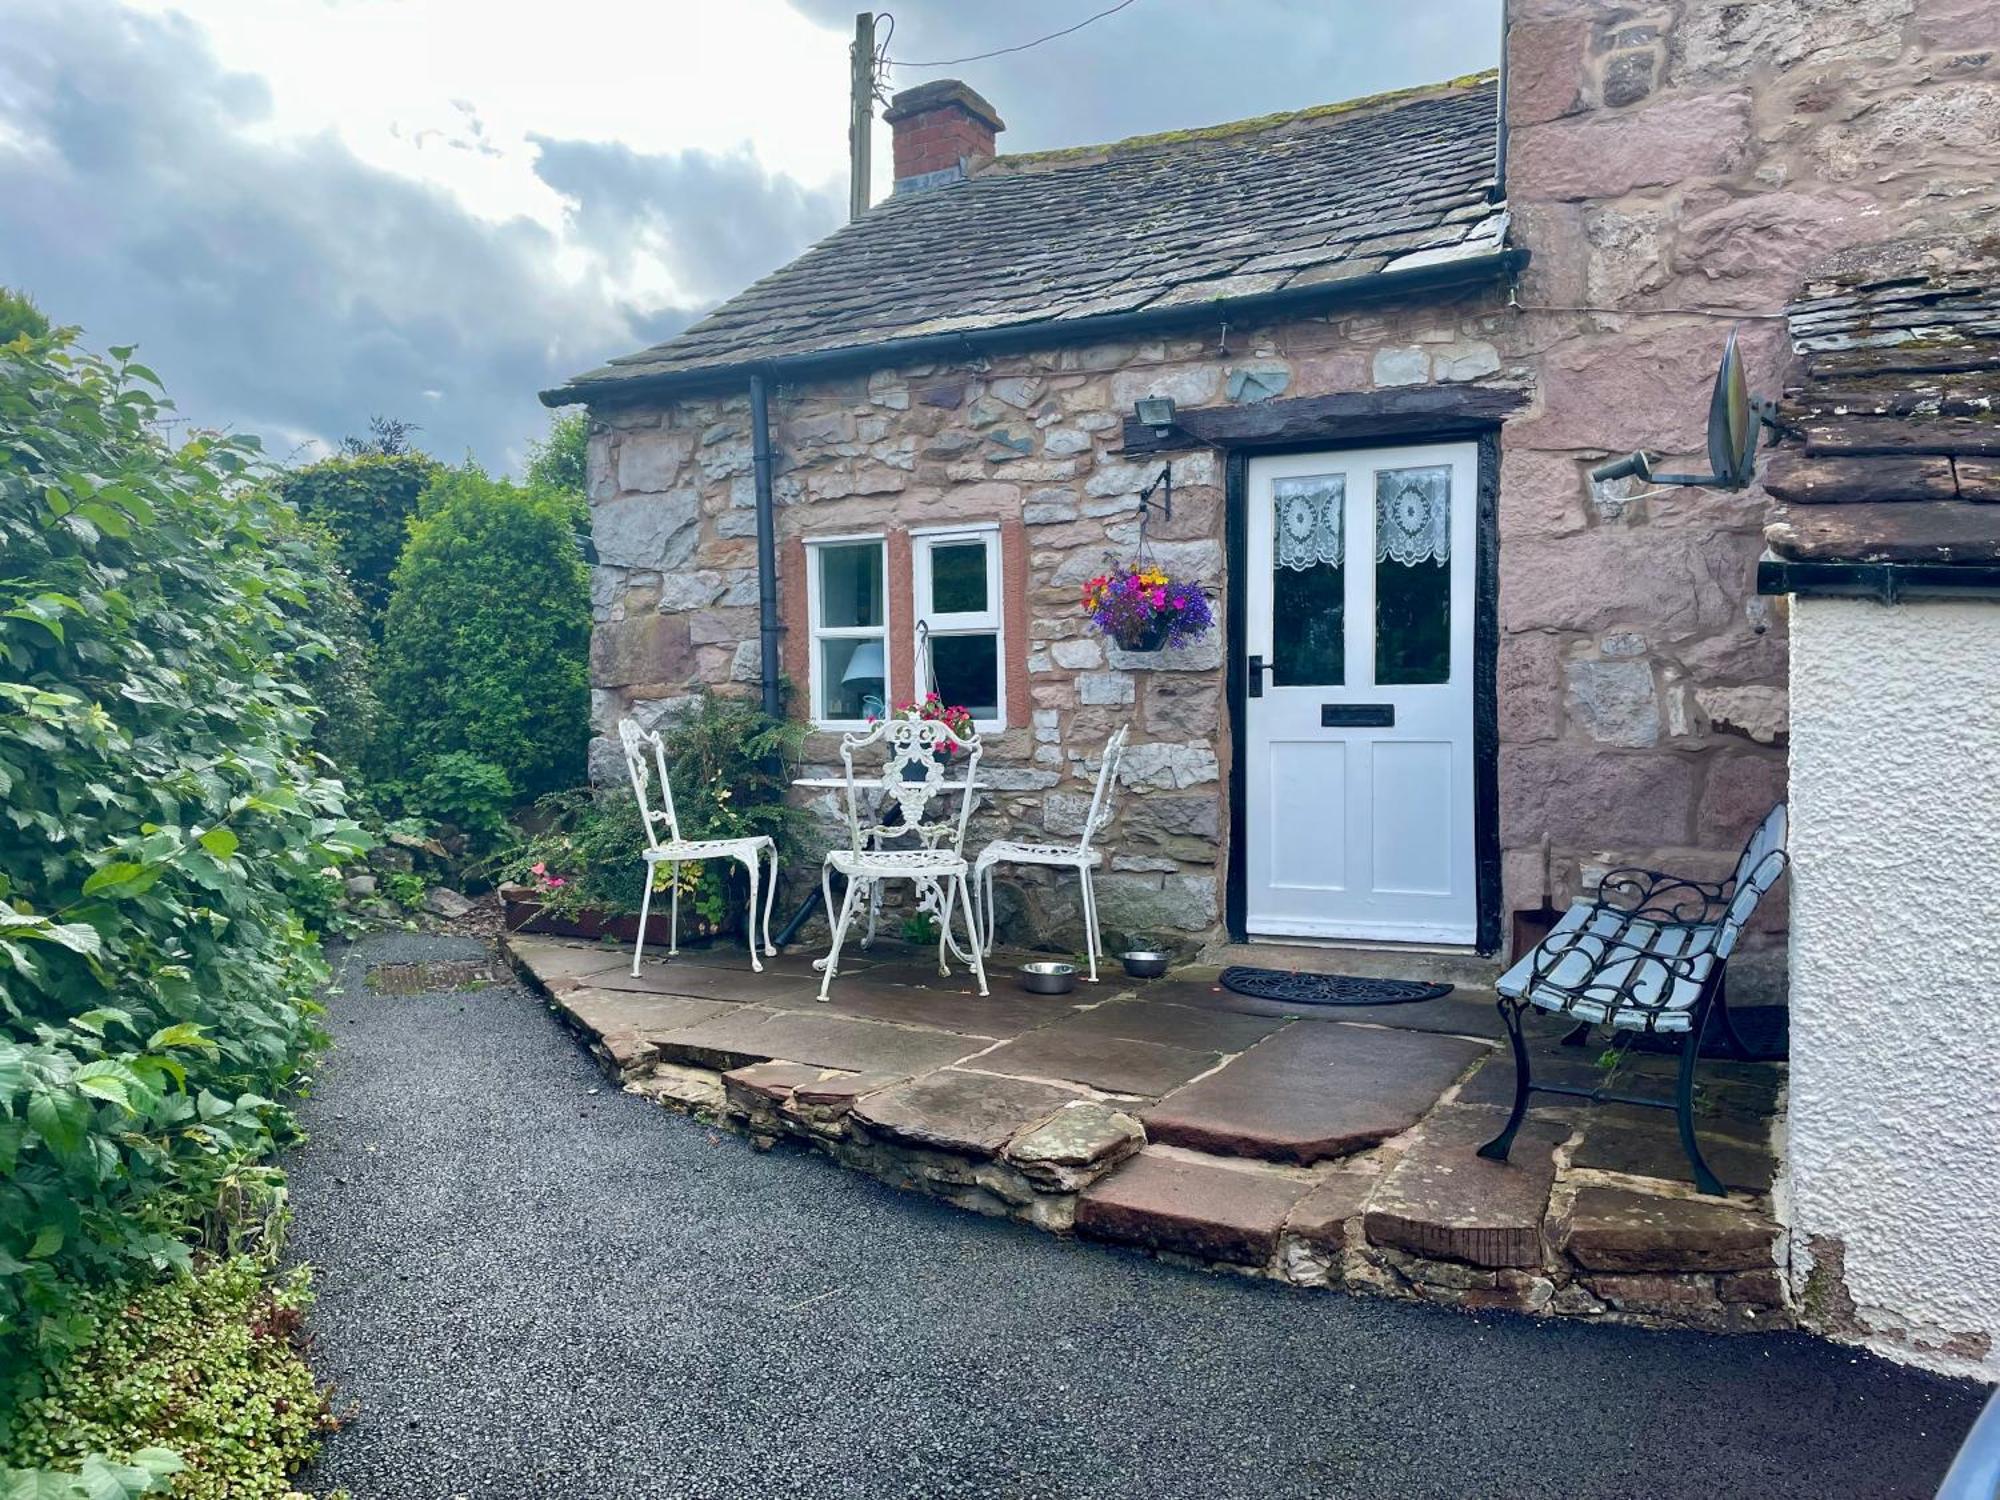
column 1031, row 441
column 1674, row 167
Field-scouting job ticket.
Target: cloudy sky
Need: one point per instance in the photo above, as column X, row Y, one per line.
column 309, row 211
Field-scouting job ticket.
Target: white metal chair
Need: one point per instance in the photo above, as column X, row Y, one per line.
column 673, row 850
column 1081, row 857
column 912, row 777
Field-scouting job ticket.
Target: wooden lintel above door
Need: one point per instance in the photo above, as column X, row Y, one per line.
column 1426, row 411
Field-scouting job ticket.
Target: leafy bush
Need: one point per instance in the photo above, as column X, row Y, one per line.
column 365, row 501
column 341, row 679
column 207, row 1366
column 19, row 316
column 155, row 983
column 561, row 462
column 471, row 794
column 486, row 641
column 731, row 766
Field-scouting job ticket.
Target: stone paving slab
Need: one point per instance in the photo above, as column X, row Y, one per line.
column 1615, row 1229
column 754, row 1033
column 1185, row 1026
column 995, row 1015
column 652, row 1016
column 1118, row 1066
column 1646, row 1143
column 972, row 1114
column 558, row 966
column 1309, row 1093
column 708, row 982
column 1445, row 1202
column 1210, row 1210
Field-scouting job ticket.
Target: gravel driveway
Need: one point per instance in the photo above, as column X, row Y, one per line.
column 536, row 1286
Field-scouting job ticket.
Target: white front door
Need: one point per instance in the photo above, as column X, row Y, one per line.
column 1358, row 723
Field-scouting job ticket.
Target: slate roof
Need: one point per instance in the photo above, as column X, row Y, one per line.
column 1188, row 218
column 1899, row 409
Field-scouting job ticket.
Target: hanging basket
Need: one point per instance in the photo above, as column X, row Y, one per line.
column 1151, row 636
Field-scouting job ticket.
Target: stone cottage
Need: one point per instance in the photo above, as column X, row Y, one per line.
column 1452, row 679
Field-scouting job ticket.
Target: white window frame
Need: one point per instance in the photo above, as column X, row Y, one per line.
column 817, row 632
column 989, row 621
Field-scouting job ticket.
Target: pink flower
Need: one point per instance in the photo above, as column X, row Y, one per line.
column 556, row 883
column 538, row 868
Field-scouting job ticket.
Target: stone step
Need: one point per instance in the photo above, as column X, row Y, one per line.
column 1443, row 1201
column 1312, row 1092
column 1209, row 1209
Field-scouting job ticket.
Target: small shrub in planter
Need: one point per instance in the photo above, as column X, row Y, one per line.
column 731, row 766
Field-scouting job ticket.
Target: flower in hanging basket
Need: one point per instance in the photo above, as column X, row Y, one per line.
column 1143, row 609
column 954, row 716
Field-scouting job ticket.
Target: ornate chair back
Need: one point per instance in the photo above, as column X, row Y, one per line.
column 637, row 742
column 1101, row 808
column 1763, row 860
column 912, row 774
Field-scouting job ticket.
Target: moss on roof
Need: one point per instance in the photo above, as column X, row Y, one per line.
column 1230, row 129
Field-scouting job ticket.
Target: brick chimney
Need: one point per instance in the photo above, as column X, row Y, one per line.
column 940, row 130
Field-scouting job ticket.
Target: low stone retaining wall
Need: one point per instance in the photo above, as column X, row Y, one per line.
column 1413, row 1217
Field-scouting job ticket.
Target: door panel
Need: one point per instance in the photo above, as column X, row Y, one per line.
column 1358, row 737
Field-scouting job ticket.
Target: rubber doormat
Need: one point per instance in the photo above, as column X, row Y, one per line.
column 1327, row 989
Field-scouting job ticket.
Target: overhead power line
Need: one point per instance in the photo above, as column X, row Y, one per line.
column 952, row 62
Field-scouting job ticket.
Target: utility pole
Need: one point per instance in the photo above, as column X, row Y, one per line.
column 860, row 112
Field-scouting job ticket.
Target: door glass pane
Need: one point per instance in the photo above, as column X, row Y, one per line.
column 967, row 668
column 851, row 678
column 850, row 584
column 1413, row 575
column 958, row 578
column 1309, row 581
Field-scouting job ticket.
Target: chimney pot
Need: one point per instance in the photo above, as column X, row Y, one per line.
column 939, row 130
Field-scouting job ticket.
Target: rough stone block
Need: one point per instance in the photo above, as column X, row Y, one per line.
column 1323, row 1216
column 646, row 531
column 1183, row 707
column 1212, row 1211
column 1445, row 1202
column 1667, row 142
column 1143, row 905
column 969, row 1114
column 1547, row 59
column 1595, row 799
column 1404, row 365
column 1168, row 765
column 1616, row 1229
column 650, row 461
column 1075, row 1146
column 1614, row 702
column 651, row 649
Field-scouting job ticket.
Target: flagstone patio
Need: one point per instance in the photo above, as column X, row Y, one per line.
column 1326, row 1148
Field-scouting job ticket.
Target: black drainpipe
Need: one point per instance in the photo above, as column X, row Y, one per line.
column 1500, row 115
column 767, row 546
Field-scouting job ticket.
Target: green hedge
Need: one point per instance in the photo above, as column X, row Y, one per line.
column 365, row 501
column 486, row 642
column 159, row 806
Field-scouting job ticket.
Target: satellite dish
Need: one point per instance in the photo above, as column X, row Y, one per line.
column 1734, row 419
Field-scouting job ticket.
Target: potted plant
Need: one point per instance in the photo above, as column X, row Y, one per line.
column 1142, row 608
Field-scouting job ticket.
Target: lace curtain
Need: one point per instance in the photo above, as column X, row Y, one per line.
column 1310, row 527
column 1413, row 515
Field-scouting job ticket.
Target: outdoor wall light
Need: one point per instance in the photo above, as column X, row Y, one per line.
column 1156, row 412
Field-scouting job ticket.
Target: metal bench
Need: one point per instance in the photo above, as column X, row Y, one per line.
column 1649, row 954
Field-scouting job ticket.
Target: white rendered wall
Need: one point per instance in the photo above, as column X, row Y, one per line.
column 1894, row 1132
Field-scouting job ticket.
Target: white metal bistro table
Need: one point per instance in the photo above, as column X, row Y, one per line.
column 930, row 898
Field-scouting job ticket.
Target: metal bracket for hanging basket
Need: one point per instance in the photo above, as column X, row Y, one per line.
column 1163, row 482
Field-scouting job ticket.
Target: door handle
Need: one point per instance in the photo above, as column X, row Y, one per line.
column 1257, row 668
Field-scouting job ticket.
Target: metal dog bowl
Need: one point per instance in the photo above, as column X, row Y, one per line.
column 1146, row 963
column 1048, row 979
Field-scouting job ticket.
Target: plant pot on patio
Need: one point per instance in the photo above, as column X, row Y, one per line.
column 524, row 912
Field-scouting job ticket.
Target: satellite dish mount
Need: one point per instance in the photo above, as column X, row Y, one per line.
column 1735, row 418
